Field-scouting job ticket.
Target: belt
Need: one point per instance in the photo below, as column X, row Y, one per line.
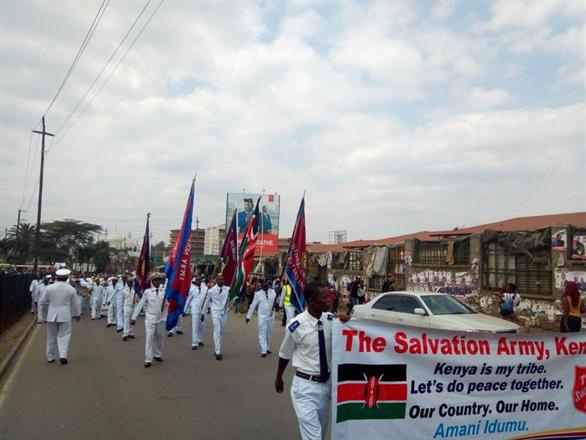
column 306, row 376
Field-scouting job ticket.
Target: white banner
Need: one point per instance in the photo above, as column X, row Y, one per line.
column 412, row 383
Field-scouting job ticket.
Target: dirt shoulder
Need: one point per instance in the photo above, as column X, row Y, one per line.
column 11, row 336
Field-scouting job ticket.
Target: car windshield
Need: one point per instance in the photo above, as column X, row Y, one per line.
column 446, row 305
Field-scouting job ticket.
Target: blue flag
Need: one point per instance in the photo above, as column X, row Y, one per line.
column 178, row 268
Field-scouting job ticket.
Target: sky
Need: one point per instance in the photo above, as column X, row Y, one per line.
column 394, row 117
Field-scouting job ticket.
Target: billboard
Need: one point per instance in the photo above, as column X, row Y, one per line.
column 269, row 207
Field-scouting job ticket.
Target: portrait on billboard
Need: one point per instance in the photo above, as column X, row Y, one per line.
column 268, row 222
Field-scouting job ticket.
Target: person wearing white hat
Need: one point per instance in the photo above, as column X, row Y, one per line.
column 197, row 304
column 62, row 307
column 112, row 299
column 96, row 299
column 120, row 303
column 129, row 303
column 156, row 308
column 42, row 306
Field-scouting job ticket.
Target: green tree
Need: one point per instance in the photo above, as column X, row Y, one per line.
column 63, row 240
column 21, row 243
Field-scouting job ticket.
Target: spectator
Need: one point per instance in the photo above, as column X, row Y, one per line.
column 509, row 302
column 573, row 307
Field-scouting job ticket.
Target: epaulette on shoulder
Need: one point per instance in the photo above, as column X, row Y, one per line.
column 330, row 316
column 293, row 326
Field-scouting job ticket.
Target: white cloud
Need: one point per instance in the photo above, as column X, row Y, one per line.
column 443, row 9
column 368, row 107
column 480, row 98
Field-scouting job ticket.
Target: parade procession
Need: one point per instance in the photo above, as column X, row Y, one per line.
column 315, row 220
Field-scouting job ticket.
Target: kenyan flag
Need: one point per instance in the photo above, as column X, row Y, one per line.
column 371, row 392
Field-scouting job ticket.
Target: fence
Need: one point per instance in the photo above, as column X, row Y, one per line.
column 15, row 298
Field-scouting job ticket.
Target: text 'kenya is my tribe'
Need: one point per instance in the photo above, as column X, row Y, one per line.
column 460, row 345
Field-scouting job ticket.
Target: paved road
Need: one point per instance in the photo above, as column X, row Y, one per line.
column 106, row 393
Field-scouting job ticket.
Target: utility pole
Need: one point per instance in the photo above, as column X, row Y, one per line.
column 17, row 231
column 196, row 222
column 38, row 231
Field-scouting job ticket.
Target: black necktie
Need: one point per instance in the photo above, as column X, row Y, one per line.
column 323, row 359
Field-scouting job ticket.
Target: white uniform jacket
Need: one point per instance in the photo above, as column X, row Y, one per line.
column 62, row 301
column 129, row 297
column 265, row 301
column 301, row 342
column 112, row 293
column 195, row 300
column 153, row 300
column 218, row 296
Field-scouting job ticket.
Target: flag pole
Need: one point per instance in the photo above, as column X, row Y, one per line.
column 289, row 250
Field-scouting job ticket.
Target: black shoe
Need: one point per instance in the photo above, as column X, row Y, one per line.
column 51, row 361
column 125, row 338
column 109, row 325
column 263, row 355
column 269, row 352
column 131, row 336
column 179, row 332
column 158, row 358
column 201, row 344
column 194, row 347
column 218, row 357
column 147, row 365
column 63, row 361
column 93, row 319
column 170, row 334
column 118, row 330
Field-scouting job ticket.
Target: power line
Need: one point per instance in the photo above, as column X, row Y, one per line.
column 80, row 51
column 100, row 73
column 28, row 156
column 109, row 75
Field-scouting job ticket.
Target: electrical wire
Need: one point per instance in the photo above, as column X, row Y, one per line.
column 28, row 156
column 80, row 51
column 104, row 67
column 89, row 103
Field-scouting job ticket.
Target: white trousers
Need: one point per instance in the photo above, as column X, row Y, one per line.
column 120, row 312
column 58, row 334
column 265, row 331
column 311, row 401
column 197, row 326
column 179, row 325
column 96, row 307
column 154, row 335
column 290, row 312
column 128, row 328
column 34, row 305
column 219, row 320
column 112, row 312
column 42, row 313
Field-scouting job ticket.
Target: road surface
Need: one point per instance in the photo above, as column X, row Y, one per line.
column 106, row 393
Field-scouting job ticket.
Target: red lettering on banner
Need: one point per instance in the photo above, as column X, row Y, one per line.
column 571, row 348
column 349, row 335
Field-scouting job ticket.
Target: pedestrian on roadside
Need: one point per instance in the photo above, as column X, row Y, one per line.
column 33, row 289
column 62, row 306
column 156, row 308
column 509, row 302
column 573, row 307
column 308, row 344
column 285, row 301
column 42, row 302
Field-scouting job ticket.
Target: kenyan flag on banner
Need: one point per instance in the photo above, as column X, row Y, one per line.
column 367, row 392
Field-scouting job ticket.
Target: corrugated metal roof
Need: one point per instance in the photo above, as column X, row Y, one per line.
column 514, row 224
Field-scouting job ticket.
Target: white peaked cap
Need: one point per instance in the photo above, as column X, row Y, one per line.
column 63, row 272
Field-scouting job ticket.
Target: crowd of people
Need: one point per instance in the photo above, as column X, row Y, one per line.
column 60, row 298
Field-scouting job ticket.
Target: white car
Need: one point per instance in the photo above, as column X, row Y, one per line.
column 430, row 310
